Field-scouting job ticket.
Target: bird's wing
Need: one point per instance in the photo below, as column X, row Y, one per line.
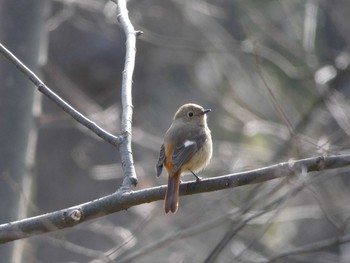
column 161, row 160
column 184, row 151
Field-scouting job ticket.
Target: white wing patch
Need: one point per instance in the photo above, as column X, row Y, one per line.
column 188, row 143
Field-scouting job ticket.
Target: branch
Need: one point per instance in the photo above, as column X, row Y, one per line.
column 122, row 200
column 115, row 141
column 130, row 179
column 313, row 247
column 123, row 142
column 133, row 255
column 235, row 228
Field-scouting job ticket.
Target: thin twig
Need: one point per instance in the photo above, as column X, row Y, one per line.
column 121, row 200
column 229, row 235
column 133, row 255
column 310, row 248
column 114, row 140
column 274, row 100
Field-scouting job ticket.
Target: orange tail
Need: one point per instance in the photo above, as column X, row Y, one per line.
column 172, row 193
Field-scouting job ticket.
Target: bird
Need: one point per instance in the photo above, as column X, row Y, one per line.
column 187, row 148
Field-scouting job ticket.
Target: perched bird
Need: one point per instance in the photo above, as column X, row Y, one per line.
column 187, row 148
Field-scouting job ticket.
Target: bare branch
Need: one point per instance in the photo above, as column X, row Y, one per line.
column 123, row 200
column 133, row 255
column 115, row 141
column 130, row 179
column 209, row 225
column 312, row 247
column 274, row 100
column 232, row 232
column 123, row 142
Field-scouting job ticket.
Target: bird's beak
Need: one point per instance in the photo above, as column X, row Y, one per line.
column 205, row 111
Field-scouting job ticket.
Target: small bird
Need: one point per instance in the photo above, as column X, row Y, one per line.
column 187, row 148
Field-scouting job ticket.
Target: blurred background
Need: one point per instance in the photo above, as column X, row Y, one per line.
column 274, row 73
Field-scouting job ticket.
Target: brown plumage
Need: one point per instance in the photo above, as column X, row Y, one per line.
column 187, row 148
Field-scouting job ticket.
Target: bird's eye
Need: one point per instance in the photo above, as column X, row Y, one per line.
column 190, row 114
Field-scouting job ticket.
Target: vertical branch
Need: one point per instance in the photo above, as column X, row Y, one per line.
column 130, row 179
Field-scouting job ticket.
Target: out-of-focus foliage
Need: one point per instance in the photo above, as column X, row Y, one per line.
column 275, row 74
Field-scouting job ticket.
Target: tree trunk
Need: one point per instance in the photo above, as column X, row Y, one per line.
column 21, row 31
